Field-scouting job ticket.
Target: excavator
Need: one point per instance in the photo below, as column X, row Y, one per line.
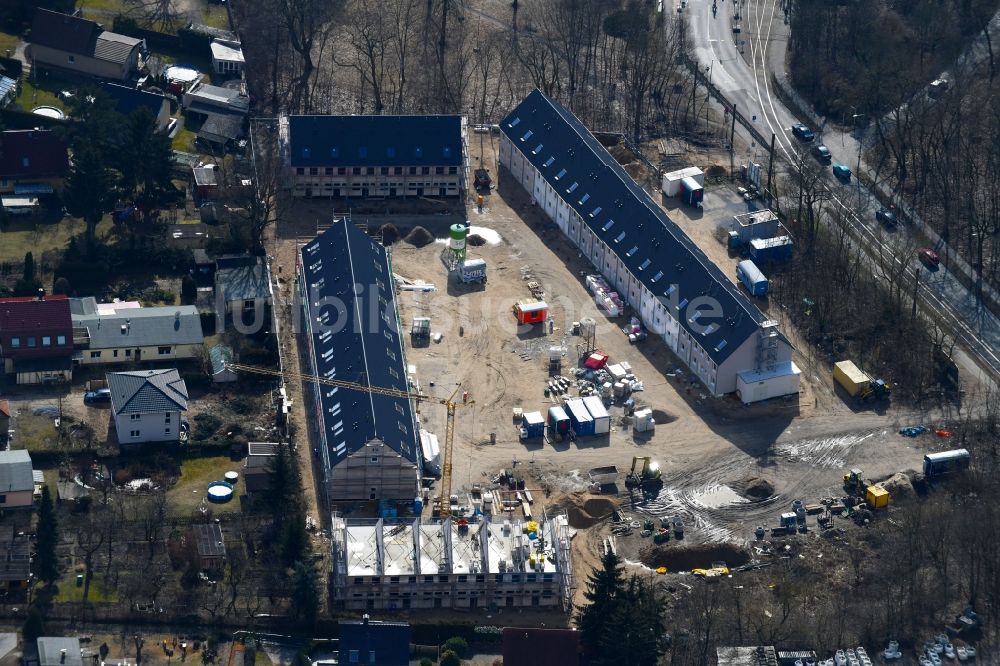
column 648, row 476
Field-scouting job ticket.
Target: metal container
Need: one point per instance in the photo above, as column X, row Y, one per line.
column 751, row 277
column 597, row 410
column 771, row 250
column 559, row 421
column 533, row 424
column 583, row 422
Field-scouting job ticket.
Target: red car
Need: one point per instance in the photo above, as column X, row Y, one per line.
column 929, row 257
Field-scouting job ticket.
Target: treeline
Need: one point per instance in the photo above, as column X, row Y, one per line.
column 616, row 63
column 868, row 56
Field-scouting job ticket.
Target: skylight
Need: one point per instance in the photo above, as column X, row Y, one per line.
column 644, row 265
column 305, row 153
column 658, row 275
column 595, row 212
column 584, row 199
column 635, row 248
column 572, row 188
column 608, row 225
column 720, row 346
column 514, row 122
column 620, row 238
column 527, row 135
column 549, row 162
column 560, row 174
column 446, row 151
column 334, row 153
column 537, row 149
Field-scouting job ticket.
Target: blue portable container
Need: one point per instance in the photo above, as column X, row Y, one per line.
column 559, row 422
column 533, row 424
column 752, row 278
column 771, row 250
column 583, row 422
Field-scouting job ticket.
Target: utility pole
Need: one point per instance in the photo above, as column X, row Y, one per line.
column 916, row 286
column 732, row 146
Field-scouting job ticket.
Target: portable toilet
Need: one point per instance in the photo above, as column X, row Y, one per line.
column 559, row 422
column 583, row 422
column 531, row 312
column 533, row 424
column 598, row 412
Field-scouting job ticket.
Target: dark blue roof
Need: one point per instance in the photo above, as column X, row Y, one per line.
column 128, row 99
column 355, row 337
column 626, row 218
column 390, row 641
column 322, row 141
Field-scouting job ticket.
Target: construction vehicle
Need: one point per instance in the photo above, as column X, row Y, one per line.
column 715, row 571
column 442, row 503
column 483, row 180
column 648, row 476
column 860, row 488
column 858, row 384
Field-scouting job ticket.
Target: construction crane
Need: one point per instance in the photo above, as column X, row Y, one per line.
column 443, row 501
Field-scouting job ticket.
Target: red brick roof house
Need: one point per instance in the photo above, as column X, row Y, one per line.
column 32, row 162
column 36, row 338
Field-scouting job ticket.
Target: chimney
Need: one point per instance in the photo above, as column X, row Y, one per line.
column 41, row 294
column 365, row 618
column 62, row 656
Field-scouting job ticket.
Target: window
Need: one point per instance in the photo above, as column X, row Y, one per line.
column 135, row 417
column 413, row 171
column 384, row 171
column 15, row 343
column 369, row 171
column 95, row 354
column 166, row 417
column 328, row 171
column 375, row 459
column 248, row 304
column 313, row 171
column 300, row 171
column 452, row 170
column 356, row 171
column 72, row 58
column 128, row 352
column 31, row 341
column 397, row 171
column 425, row 170
column 46, row 340
column 166, row 431
column 3, row 499
column 353, row 657
column 341, row 171
column 133, row 433
column 439, row 170
column 371, row 656
column 115, row 353
column 163, row 351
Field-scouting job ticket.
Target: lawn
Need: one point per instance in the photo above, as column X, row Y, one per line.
column 99, row 593
column 35, row 94
column 8, row 42
column 184, row 141
column 36, row 433
column 23, row 235
column 215, row 16
column 190, row 490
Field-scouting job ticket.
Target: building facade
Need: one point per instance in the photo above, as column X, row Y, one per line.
column 146, row 405
column 104, row 335
column 17, row 482
column 369, row 441
column 374, row 156
column 493, row 563
column 678, row 293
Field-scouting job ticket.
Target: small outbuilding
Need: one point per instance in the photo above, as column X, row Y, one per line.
column 531, row 312
column 210, row 545
column 220, row 356
column 227, row 57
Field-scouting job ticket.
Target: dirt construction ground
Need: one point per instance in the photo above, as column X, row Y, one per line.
column 708, row 448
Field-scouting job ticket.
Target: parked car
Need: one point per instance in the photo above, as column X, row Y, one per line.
column 929, row 258
column 842, row 172
column 99, row 396
column 803, row 133
column 887, row 216
column 822, row 153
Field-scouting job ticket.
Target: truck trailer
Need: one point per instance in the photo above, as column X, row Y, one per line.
column 859, row 384
column 946, row 462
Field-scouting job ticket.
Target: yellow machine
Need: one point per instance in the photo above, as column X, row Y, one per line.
column 647, row 476
column 442, row 504
column 877, row 497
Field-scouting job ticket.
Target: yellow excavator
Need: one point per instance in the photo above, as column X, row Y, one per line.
column 648, row 475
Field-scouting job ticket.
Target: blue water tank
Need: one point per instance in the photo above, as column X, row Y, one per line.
column 418, row 506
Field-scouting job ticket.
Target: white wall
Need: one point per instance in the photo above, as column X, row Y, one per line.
column 151, row 427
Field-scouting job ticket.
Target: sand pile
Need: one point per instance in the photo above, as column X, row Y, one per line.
column 419, row 237
column 591, row 512
column 476, row 240
column 693, row 557
column 899, row 486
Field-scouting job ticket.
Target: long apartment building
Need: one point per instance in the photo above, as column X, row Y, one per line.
column 680, row 295
column 374, row 156
column 370, row 448
column 493, row 563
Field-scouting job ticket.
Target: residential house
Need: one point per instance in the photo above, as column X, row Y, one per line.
column 8, row 91
column 80, row 46
column 59, row 651
column 256, row 477
column 209, row 545
column 369, row 443
column 128, row 99
column 368, row 641
column 227, row 58
column 4, row 420
column 36, row 338
column 17, row 481
column 374, row 156
column 527, row 646
column 242, row 285
column 15, row 561
column 219, row 357
column 32, row 162
column 681, row 296
column 114, row 333
column 221, row 131
column 146, row 405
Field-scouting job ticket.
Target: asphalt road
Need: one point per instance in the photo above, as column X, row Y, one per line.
column 738, row 64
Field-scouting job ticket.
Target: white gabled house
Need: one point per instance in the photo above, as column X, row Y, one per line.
column 147, row 404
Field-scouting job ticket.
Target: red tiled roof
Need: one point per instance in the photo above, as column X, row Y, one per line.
column 28, row 313
column 32, row 154
column 525, row 646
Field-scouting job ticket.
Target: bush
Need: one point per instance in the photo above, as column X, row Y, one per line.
column 426, row 661
column 458, row 645
column 449, row 658
column 189, row 290
column 62, row 286
column 34, row 624
column 205, row 425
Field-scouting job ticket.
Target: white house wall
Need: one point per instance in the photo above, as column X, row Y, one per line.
column 152, row 427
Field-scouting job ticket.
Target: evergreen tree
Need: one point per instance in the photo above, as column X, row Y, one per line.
column 604, row 586
column 90, row 189
column 145, row 162
column 282, row 478
column 294, row 540
column 29, row 267
column 46, row 562
column 305, row 592
column 631, row 633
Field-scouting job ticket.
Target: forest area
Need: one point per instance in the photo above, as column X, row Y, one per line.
column 936, row 153
column 616, row 64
